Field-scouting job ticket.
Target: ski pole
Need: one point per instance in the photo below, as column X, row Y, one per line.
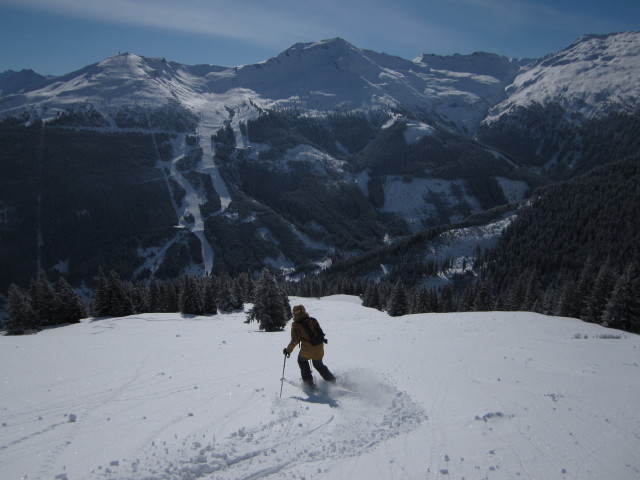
column 282, row 379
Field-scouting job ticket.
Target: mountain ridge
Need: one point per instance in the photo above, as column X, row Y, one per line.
column 320, row 153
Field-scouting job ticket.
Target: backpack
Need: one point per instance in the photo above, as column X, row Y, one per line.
column 314, row 332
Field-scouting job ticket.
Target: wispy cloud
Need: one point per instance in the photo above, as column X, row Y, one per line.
column 265, row 22
column 402, row 27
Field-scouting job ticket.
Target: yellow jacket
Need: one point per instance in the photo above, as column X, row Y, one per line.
column 299, row 335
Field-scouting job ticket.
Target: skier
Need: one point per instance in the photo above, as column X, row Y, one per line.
column 303, row 329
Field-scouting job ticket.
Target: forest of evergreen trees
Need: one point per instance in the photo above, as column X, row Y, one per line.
column 598, row 294
column 573, row 250
column 45, row 305
column 603, row 295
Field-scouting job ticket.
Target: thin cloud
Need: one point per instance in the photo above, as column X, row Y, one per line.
column 223, row 18
column 273, row 23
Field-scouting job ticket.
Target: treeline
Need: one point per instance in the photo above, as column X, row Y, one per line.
column 603, row 295
column 45, row 305
column 42, row 305
column 187, row 294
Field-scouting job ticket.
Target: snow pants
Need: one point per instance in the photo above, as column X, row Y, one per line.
column 322, row 369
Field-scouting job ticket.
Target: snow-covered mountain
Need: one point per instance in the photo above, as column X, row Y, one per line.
column 326, row 150
column 326, row 75
column 574, row 109
column 593, row 77
column 499, row 395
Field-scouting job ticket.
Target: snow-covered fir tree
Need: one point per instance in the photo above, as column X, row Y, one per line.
column 623, row 309
column 209, row 296
column 191, row 297
column 371, row 297
column 271, row 308
column 70, row 308
column 43, row 298
column 398, row 304
column 22, row 318
column 596, row 301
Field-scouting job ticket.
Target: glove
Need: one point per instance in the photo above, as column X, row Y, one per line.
column 286, row 354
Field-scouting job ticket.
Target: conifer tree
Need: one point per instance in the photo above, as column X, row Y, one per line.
column 70, row 306
column 97, row 304
column 447, row 302
column 237, row 295
column 43, row 298
column 269, row 306
column 170, row 297
column 245, row 285
column 421, row 301
column 596, row 301
column 585, row 285
column 138, row 294
column 372, row 297
column 435, row 301
column 226, row 300
column 532, row 301
column 209, row 298
column 398, row 304
column 568, row 303
column 191, row 297
column 154, row 296
column 550, row 300
column 515, row 294
column 482, row 299
column 22, row 317
column 468, row 296
column 118, row 301
column 623, row 309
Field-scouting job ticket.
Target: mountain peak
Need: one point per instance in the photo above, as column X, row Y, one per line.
column 332, row 46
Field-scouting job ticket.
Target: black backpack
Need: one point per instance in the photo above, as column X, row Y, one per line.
column 314, row 332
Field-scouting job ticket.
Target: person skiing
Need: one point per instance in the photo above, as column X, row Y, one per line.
column 306, row 331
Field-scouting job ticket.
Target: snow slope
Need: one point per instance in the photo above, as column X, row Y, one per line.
column 476, row 395
column 594, row 76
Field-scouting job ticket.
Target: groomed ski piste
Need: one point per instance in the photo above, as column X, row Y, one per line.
column 491, row 395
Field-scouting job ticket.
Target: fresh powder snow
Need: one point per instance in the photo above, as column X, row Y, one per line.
column 464, row 395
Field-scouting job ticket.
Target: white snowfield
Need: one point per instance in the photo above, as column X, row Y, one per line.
column 594, row 76
column 473, row 395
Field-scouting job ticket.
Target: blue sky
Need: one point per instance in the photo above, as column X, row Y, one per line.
column 59, row 36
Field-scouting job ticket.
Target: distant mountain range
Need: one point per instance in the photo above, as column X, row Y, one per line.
column 325, row 152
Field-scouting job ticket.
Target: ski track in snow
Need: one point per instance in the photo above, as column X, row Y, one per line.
column 485, row 395
column 316, row 428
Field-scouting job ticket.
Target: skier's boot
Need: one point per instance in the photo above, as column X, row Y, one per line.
column 308, row 384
